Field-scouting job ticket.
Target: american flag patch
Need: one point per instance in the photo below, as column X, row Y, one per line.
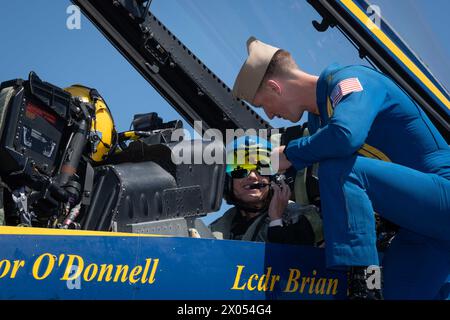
column 344, row 88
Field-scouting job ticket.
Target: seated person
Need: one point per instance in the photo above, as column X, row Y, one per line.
column 262, row 210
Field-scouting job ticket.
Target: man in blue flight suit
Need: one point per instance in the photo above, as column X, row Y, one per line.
column 377, row 152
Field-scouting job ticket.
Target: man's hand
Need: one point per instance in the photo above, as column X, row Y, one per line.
column 278, row 157
column 280, row 199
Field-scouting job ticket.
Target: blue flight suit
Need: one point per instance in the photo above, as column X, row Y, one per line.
column 379, row 152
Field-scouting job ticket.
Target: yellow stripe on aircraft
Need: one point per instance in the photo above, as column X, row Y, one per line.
column 395, row 49
column 59, row 232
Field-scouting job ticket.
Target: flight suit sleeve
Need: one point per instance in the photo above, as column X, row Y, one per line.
column 348, row 127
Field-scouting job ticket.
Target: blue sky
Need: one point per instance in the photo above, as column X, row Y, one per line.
column 35, row 37
column 424, row 25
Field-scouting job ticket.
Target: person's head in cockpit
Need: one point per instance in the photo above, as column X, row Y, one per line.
column 248, row 174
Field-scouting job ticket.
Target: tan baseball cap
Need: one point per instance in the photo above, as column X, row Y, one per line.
column 252, row 72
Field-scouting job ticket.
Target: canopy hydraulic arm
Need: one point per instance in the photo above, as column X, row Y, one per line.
column 169, row 66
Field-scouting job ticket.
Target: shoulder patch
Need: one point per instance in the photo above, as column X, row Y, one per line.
column 344, row 88
column 330, row 77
